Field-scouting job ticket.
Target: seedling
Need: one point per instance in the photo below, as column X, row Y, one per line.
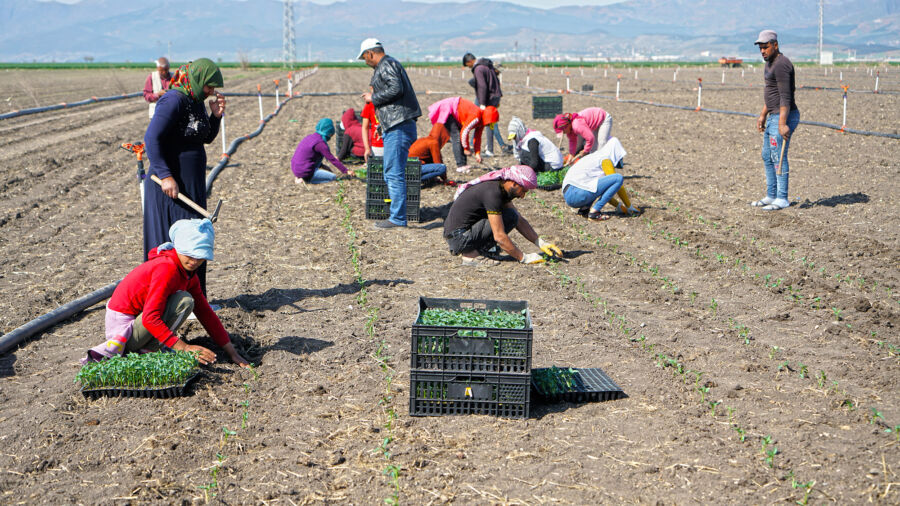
column 896, row 430
column 714, row 306
column 803, row 370
column 703, row 391
column 741, row 433
column 875, row 415
column 807, row 488
column 769, row 451
column 821, row 379
column 227, row 433
column 837, row 314
column 712, row 408
column 773, row 351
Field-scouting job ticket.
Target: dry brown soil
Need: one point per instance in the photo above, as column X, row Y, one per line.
column 790, row 317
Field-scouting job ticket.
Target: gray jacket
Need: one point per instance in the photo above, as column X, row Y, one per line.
column 392, row 94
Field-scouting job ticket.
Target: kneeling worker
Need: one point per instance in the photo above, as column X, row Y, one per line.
column 151, row 303
column 482, row 216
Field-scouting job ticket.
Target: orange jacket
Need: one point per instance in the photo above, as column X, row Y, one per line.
column 428, row 149
column 469, row 117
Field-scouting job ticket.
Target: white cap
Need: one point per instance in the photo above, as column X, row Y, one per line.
column 766, row 36
column 368, row 44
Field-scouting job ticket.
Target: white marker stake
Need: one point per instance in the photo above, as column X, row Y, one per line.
column 617, row 86
column 259, row 96
column 582, row 71
column 876, row 82
column 675, row 75
column 723, row 77
column 842, row 76
column 500, row 78
column 277, row 98
column 527, row 81
column 567, row 85
column 742, row 73
column 290, row 86
column 699, row 92
column 844, row 121
column 223, row 135
column 604, row 72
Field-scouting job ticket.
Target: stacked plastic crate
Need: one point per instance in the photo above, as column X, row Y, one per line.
column 470, row 370
column 378, row 202
column 546, row 107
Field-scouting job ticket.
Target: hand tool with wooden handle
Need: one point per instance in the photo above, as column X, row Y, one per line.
column 203, row 212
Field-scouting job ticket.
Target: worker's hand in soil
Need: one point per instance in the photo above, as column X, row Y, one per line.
column 467, row 152
column 235, row 356
column 478, row 157
column 532, row 258
column 549, row 248
column 217, row 105
column 169, row 187
column 204, row 356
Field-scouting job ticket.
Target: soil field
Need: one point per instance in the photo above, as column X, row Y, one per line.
column 759, row 351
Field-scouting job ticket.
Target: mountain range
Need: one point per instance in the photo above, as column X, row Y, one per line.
column 230, row 30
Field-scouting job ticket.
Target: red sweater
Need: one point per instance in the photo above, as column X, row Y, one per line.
column 147, row 288
column 469, row 117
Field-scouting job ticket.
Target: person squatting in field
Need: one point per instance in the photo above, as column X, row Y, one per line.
column 306, row 164
column 174, row 141
column 428, row 150
column 587, row 130
column 592, row 182
column 482, row 216
column 486, row 81
column 155, row 299
column 396, row 108
column 777, row 121
column 352, row 138
column 462, row 118
column 531, row 148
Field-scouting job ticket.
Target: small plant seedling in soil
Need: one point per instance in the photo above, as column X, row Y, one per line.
column 555, row 380
column 741, row 433
column 807, row 488
column 875, row 415
column 803, row 371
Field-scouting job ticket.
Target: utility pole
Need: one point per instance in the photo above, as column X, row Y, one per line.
column 288, row 49
column 821, row 29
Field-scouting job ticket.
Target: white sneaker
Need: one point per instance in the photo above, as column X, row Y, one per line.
column 487, row 152
column 465, row 169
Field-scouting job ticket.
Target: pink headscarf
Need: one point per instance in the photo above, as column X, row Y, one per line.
column 561, row 121
column 521, row 174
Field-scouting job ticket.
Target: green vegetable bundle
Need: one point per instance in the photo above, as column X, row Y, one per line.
column 135, row 370
column 360, row 173
column 494, row 318
column 551, row 178
column 554, row 380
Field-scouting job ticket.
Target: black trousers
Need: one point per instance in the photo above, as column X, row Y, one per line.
column 480, row 236
column 453, row 128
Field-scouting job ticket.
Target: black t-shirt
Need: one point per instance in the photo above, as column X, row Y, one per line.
column 474, row 204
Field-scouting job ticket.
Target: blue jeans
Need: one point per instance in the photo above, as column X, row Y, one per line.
column 777, row 186
column 430, row 170
column 397, row 141
column 607, row 186
column 321, row 176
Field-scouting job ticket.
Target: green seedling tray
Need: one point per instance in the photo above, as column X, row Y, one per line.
column 589, row 385
column 159, row 392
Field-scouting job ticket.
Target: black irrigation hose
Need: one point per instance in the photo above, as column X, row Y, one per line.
column 14, row 338
column 65, row 105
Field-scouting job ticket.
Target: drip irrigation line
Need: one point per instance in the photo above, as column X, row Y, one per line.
column 66, row 311
column 65, row 105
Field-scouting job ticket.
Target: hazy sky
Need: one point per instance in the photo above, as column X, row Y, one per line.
column 543, row 4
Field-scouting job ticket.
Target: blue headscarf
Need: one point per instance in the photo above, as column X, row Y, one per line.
column 193, row 238
column 325, row 128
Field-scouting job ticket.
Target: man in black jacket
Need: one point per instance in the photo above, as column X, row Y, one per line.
column 487, row 92
column 397, row 109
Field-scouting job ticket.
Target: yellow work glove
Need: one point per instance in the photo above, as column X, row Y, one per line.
column 549, row 248
column 532, row 258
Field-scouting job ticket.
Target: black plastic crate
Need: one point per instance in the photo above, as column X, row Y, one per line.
column 381, row 210
column 378, row 191
column 471, row 349
column 454, row 393
column 155, row 392
column 590, row 385
column 546, row 107
column 587, row 87
column 375, row 170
